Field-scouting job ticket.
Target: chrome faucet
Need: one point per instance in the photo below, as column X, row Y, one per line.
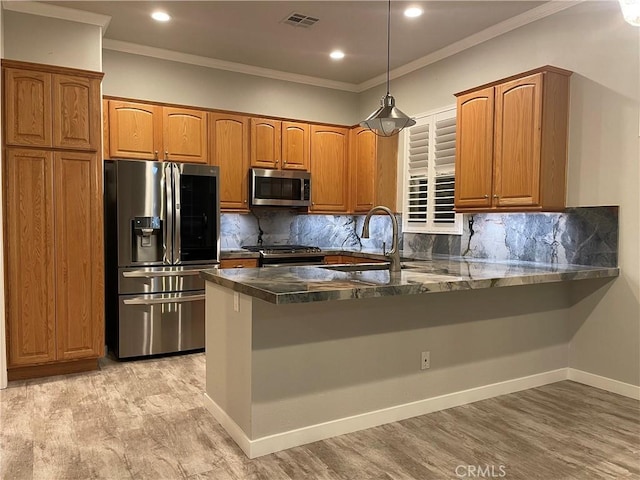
column 394, row 253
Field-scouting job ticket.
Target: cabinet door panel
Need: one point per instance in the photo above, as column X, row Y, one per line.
column 474, row 149
column 78, row 256
column 295, row 146
column 30, row 267
column 185, row 135
column 363, row 174
column 329, row 169
column 265, row 143
column 517, row 147
column 229, row 137
column 135, row 130
column 27, row 108
column 76, row 120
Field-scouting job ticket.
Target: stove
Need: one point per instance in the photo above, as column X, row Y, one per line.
column 287, row 255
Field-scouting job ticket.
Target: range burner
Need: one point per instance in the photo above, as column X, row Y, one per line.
column 278, row 255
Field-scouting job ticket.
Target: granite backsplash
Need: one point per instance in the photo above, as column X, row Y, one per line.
column 580, row 235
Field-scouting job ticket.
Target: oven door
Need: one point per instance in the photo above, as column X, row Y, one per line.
column 160, row 323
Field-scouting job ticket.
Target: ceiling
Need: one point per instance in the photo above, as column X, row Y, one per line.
column 253, row 33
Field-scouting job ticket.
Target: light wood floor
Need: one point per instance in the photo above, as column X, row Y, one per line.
column 146, row 419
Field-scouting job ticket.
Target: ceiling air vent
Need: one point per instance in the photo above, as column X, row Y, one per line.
column 299, row 20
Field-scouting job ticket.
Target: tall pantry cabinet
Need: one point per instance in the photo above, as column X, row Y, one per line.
column 52, row 170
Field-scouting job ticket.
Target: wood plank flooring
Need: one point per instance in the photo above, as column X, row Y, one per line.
column 146, row 420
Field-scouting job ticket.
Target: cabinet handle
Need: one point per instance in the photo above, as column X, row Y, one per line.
column 486, row 196
column 245, row 201
column 496, row 196
column 239, row 266
column 155, row 155
column 166, row 154
column 284, row 162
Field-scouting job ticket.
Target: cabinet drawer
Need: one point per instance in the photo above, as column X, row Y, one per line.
column 239, row 263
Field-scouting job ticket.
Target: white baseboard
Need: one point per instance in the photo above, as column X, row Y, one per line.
column 313, row 433
column 604, row 383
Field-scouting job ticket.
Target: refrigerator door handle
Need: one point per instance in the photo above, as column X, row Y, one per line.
column 168, row 233
column 143, row 274
column 177, row 248
column 155, row 301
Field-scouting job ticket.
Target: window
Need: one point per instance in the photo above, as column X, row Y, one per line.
column 429, row 175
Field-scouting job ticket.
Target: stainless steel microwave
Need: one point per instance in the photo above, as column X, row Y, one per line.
column 282, row 188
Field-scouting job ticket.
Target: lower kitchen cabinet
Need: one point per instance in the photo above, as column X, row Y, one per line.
column 239, row 263
column 54, row 261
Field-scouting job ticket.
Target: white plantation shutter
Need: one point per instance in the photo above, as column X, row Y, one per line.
column 417, row 175
column 430, row 151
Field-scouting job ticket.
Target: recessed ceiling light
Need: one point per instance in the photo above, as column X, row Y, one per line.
column 412, row 12
column 161, row 16
column 337, row 55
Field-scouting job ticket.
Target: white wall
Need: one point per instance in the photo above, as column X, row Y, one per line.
column 593, row 41
column 146, row 78
column 32, row 38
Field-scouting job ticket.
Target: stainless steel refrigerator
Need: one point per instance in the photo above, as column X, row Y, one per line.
column 162, row 227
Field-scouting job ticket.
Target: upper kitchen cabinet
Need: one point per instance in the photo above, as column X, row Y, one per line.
column 51, row 110
column 266, row 141
column 329, row 169
column 279, row 144
column 295, row 146
column 373, row 170
column 152, row 132
column 135, row 130
column 511, row 150
column 229, row 147
column 185, row 135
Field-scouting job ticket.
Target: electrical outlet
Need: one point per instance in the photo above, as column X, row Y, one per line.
column 425, row 360
column 236, row 302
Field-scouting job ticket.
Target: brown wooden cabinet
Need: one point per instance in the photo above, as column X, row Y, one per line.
column 152, row 132
column 239, row 263
column 185, row 135
column 279, row 144
column 329, row 169
column 30, row 274
column 229, row 147
column 53, row 221
column 78, row 255
column 373, row 170
column 511, row 146
column 51, row 110
column 295, row 146
column 266, row 143
column 341, row 259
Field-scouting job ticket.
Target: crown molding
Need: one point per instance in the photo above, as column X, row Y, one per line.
column 496, row 30
column 54, row 11
column 134, row 48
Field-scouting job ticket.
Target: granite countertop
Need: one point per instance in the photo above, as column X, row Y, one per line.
column 282, row 285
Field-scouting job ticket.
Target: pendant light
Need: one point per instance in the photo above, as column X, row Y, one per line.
column 387, row 120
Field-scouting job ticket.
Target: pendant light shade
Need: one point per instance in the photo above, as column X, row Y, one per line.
column 387, row 120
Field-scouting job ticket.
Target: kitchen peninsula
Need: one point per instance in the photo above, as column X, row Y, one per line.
column 288, row 364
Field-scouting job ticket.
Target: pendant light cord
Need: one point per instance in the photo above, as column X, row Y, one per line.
column 388, row 41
